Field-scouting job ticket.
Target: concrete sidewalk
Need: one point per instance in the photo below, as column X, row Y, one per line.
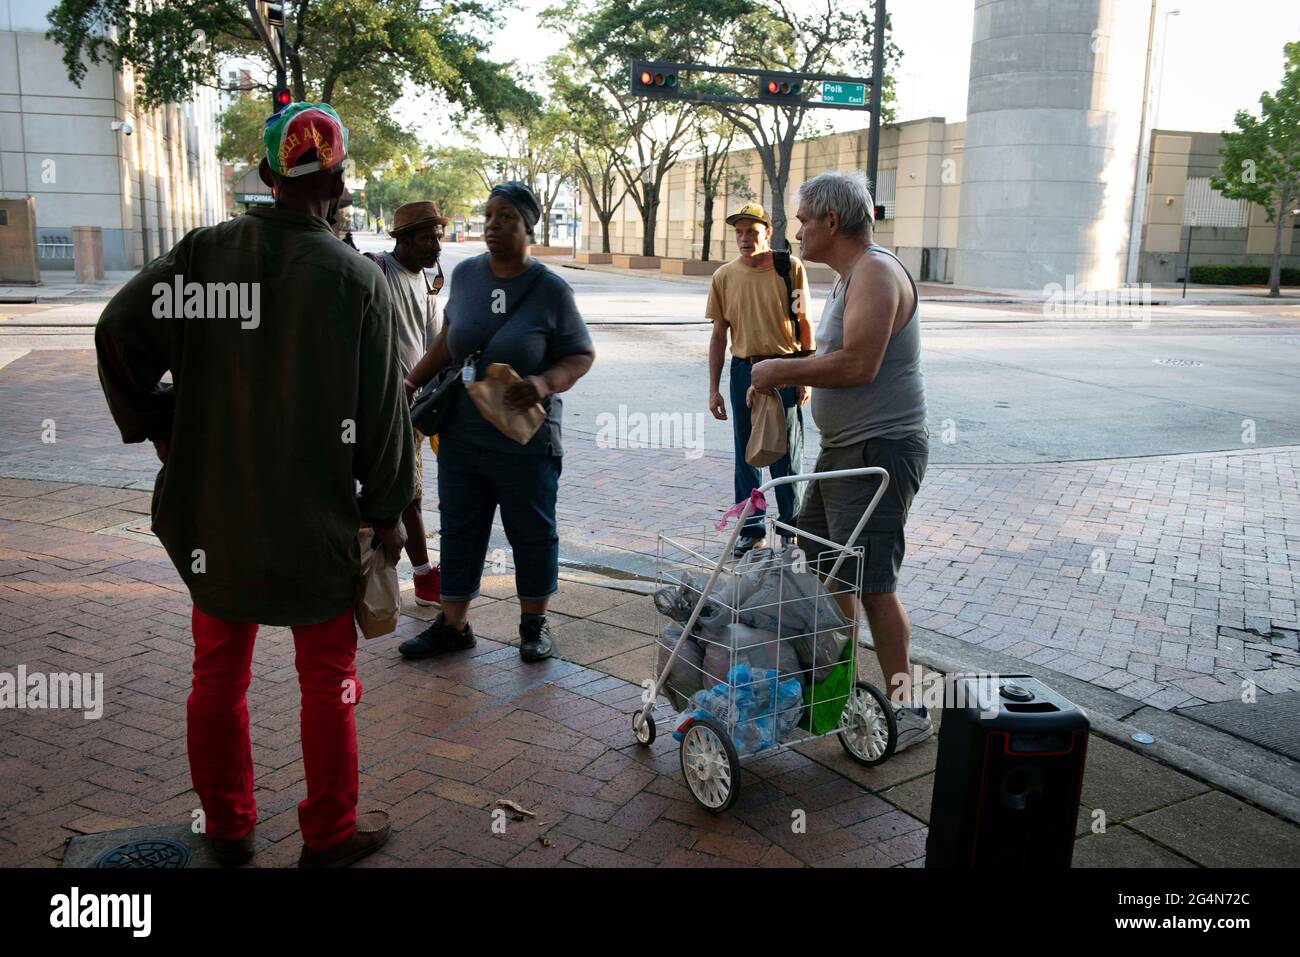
column 442, row 741
column 61, row 285
column 1160, row 293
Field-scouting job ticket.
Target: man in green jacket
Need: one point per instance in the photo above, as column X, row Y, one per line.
column 286, row 394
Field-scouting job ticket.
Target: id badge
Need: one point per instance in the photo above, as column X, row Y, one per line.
column 467, row 372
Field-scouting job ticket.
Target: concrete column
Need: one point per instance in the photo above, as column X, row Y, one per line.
column 88, row 253
column 1051, row 142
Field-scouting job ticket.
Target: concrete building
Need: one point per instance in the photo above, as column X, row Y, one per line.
column 1184, row 214
column 68, row 148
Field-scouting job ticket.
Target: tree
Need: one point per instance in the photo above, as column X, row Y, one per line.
column 454, row 180
column 650, row 134
column 589, row 129
column 539, row 153
column 1261, row 158
column 714, row 141
column 452, row 177
column 176, row 46
column 810, row 36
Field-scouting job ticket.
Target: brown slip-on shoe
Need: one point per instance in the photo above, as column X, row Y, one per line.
column 373, row 831
column 231, row 852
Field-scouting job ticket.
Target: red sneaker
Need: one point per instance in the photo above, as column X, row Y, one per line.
column 428, row 587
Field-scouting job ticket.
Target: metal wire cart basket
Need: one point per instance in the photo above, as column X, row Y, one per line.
column 759, row 653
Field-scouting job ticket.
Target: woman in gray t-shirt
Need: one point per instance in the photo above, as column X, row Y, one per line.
column 529, row 315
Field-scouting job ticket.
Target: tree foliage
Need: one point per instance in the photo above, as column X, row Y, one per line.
column 591, row 138
column 647, row 136
column 1261, row 157
column 175, row 47
column 453, row 178
column 807, row 36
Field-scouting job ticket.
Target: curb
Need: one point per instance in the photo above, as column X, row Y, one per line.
column 1094, row 701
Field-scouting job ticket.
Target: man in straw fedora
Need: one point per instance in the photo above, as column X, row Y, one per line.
column 418, row 231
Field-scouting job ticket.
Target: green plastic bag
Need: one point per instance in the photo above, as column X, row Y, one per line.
column 825, row 700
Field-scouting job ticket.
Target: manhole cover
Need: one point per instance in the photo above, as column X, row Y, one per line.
column 156, row 852
column 1181, row 363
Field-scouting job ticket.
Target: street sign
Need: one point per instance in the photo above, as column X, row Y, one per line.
column 843, row 94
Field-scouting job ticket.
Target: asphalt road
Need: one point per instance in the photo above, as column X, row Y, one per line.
column 1004, row 383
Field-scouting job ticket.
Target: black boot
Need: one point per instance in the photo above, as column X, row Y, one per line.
column 438, row 639
column 536, row 643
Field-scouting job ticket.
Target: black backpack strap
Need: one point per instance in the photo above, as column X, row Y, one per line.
column 378, row 261
column 781, row 259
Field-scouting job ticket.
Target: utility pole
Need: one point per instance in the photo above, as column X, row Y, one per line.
column 268, row 21
column 877, row 78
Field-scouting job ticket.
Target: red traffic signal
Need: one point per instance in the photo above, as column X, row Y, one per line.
column 776, row 89
column 281, row 97
column 654, row 79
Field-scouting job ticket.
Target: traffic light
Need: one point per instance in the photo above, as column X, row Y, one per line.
column 275, row 14
column 655, row 79
column 780, row 89
column 280, row 98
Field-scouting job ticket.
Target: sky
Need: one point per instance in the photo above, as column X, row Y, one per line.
column 1220, row 57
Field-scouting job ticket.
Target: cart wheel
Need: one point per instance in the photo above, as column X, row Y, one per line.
column 870, row 729
column 710, row 765
column 643, row 728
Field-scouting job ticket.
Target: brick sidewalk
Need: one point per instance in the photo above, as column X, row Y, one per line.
column 1169, row 579
column 1166, row 579
column 442, row 741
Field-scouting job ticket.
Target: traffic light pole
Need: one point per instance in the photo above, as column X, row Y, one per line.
column 877, row 81
column 268, row 23
column 792, row 94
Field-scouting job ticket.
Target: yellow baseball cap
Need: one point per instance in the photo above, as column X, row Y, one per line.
column 750, row 211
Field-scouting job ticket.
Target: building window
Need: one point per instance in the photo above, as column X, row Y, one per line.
column 883, row 193
column 1205, row 206
column 677, row 203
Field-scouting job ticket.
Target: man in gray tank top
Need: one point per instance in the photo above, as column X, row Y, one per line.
column 868, row 401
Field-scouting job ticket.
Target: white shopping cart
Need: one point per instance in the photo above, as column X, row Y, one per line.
column 756, row 654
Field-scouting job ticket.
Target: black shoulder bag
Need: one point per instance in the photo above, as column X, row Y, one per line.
column 436, row 399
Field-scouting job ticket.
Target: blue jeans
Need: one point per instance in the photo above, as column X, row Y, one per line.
column 472, row 483
column 788, row 497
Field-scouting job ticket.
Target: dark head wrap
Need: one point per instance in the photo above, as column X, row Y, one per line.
column 522, row 198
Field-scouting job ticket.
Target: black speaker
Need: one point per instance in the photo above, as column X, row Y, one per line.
column 1008, row 775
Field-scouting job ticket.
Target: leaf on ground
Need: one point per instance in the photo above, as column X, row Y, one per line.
column 515, row 806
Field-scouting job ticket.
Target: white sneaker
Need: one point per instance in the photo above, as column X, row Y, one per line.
column 912, row 728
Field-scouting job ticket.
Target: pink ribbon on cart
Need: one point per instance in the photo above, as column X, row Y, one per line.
column 760, row 505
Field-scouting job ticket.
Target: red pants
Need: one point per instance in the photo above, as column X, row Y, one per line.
column 221, row 751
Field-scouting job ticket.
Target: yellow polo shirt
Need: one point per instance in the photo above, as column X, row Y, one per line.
column 752, row 302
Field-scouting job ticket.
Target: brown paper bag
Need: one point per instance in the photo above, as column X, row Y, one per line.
column 378, row 594
column 489, row 395
column 767, row 438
